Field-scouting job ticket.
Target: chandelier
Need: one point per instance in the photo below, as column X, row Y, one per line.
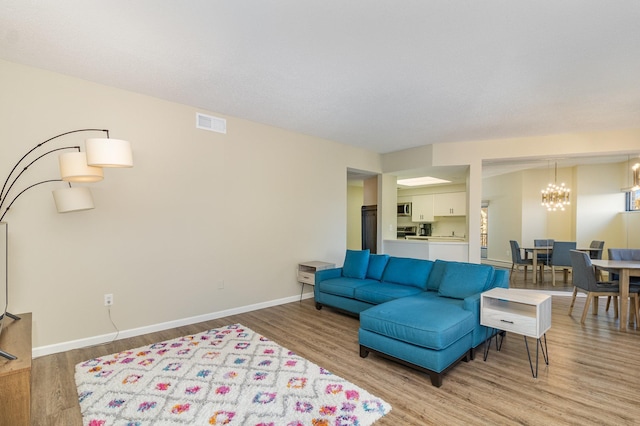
column 555, row 197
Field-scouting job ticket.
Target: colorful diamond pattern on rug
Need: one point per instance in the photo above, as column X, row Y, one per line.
column 225, row 376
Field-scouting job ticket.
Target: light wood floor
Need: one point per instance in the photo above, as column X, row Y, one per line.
column 593, row 376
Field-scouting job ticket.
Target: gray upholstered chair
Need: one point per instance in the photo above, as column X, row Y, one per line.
column 584, row 278
column 624, row 254
column 517, row 260
column 560, row 258
column 544, row 243
column 599, row 246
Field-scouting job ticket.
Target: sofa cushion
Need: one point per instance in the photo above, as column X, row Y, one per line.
column 461, row 280
column 419, row 320
column 356, row 263
column 343, row 286
column 407, row 271
column 376, row 293
column 377, row 263
column 435, row 276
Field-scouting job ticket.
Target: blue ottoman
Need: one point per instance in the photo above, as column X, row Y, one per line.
column 425, row 331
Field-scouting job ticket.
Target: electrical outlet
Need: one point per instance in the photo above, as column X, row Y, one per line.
column 108, row 299
column 221, row 285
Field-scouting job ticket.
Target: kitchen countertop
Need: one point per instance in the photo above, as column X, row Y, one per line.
column 437, row 238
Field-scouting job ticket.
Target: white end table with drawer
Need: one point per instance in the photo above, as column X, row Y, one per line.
column 519, row 311
column 307, row 272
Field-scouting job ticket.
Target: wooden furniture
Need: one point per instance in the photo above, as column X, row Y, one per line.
column 15, row 375
column 523, row 312
column 547, row 250
column 625, row 269
column 307, row 272
column 535, row 251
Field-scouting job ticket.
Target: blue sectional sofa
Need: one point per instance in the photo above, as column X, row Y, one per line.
column 422, row 313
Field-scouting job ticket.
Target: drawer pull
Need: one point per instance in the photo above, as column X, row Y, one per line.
column 509, row 322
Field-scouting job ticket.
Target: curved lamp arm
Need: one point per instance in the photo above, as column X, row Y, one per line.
column 3, row 197
column 25, row 190
column 2, row 194
column 12, row 178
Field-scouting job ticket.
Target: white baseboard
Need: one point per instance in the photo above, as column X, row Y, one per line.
column 123, row 334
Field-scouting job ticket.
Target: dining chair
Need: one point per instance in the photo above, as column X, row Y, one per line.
column 517, row 261
column 584, row 278
column 624, row 254
column 599, row 246
column 544, row 257
column 560, row 258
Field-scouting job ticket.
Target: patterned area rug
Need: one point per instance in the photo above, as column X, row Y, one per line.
column 225, row 376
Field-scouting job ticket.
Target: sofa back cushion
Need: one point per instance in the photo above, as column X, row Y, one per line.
column 407, row 271
column 355, row 264
column 461, row 280
column 437, row 272
column 377, row 263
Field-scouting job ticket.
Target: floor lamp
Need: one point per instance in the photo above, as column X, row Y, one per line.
column 75, row 166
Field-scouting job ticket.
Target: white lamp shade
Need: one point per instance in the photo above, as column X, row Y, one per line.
column 74, row 168
column 73, row 199
column 108, row 152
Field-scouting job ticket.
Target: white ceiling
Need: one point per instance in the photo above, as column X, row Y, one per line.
column 380, row 74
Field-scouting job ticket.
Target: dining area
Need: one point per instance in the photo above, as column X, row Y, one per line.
column 549, row 255
column 597, row 272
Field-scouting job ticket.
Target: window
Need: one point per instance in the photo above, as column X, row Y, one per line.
column 633, row 200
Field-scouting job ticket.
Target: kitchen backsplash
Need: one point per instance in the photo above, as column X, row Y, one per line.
column 444, row 226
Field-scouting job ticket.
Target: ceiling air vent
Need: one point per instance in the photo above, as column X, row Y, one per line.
column 208, row 122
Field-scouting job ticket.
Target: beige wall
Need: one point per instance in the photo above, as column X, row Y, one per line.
column 200, row 210
column 600, row 205
column 505, row 213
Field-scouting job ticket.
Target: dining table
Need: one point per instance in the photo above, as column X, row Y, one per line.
column 548, row 250
column 535, row 251
column 625, row 269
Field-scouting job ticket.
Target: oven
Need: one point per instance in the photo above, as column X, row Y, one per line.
column 405, row 231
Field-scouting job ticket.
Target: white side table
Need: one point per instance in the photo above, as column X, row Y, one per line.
column 518, row 311
column 307, row 272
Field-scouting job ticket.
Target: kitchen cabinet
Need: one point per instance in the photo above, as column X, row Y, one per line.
column 450, row 204
column 422, row 208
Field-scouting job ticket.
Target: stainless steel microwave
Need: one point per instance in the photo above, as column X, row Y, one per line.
column 404, row 209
